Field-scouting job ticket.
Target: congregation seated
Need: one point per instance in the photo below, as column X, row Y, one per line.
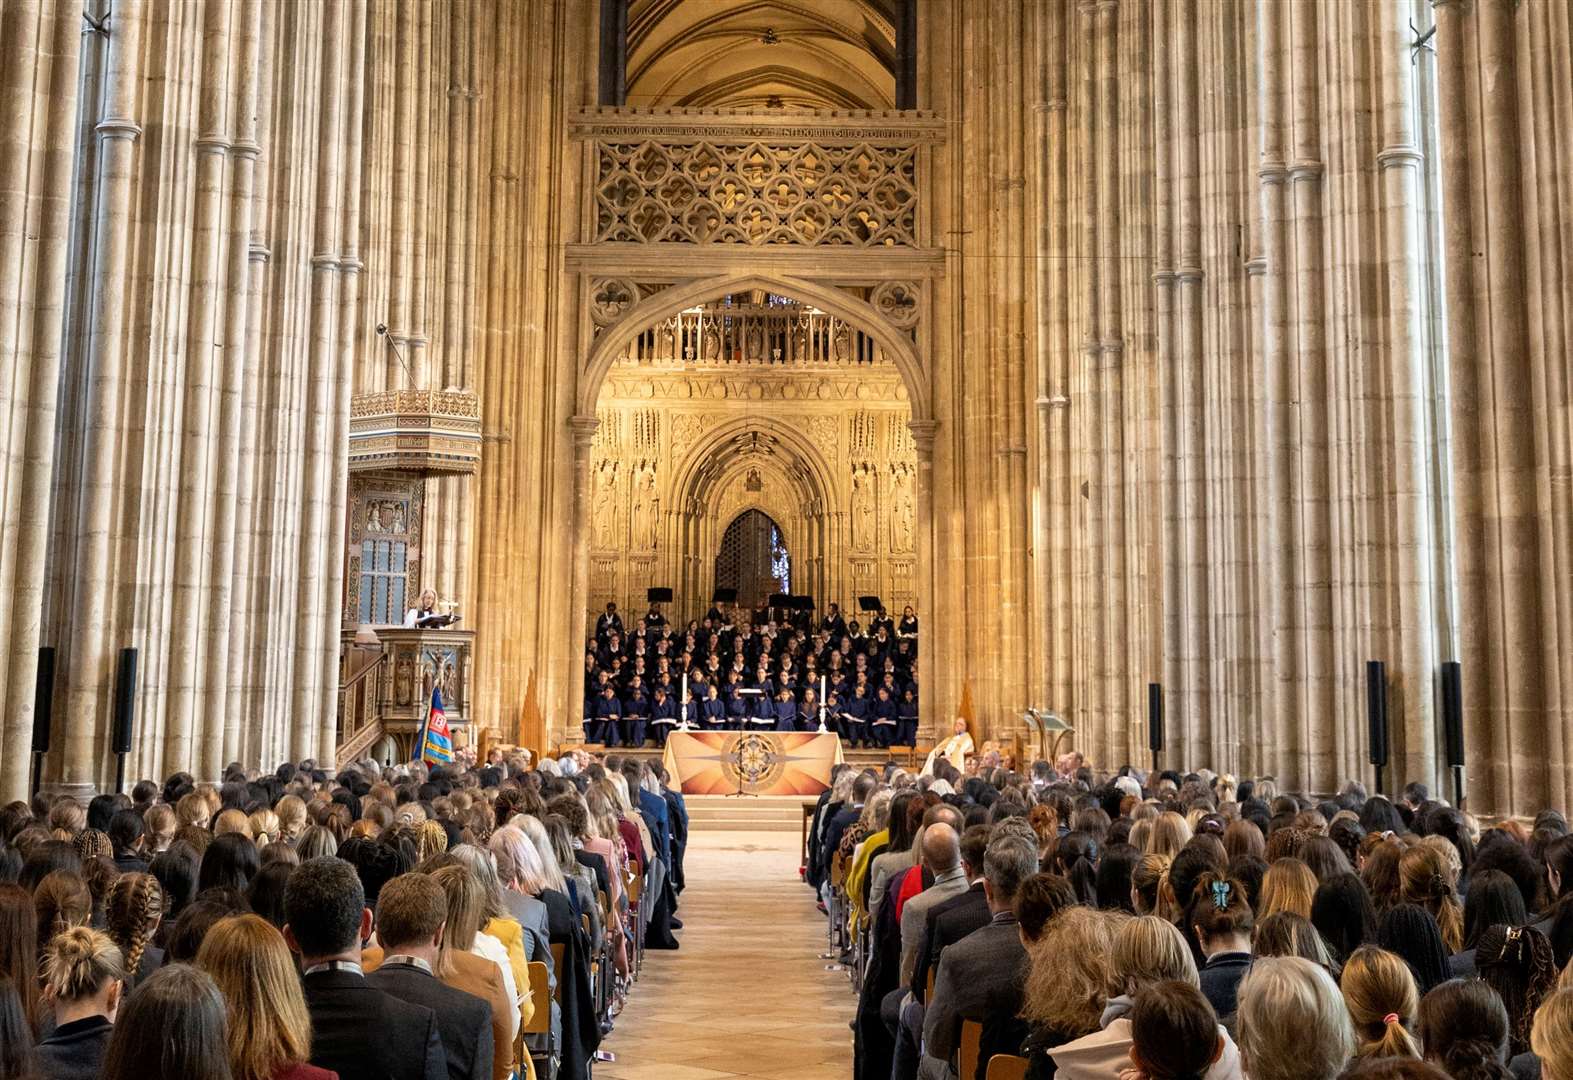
column 441, row 922
column 1158, row 926
column 759, row 670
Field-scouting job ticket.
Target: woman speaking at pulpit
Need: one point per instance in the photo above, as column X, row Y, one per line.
column 424, row 615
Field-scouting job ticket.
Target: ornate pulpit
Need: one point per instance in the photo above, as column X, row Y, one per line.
column 386, row 688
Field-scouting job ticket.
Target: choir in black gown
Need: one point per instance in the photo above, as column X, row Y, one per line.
column 758, row 670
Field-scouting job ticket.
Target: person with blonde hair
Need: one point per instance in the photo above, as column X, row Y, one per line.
column 132, row 912
column 84, row 975
column 1288, row 885
column 1169, row 834
column 264, row 826
column 466, row 901
column 291, row 815
column 1552, row 1037
column 232, row 821
column 1148, row 896
column 497, row 921
column 160, row 824
column 1383, row 1001
column 1146, row 952
column 1068, row 976
column 269, row 1028
column 192, row 809
column 1293, row 1024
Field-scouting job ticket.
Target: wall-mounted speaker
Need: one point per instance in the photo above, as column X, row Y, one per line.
column 1453, row 712
column 1155, row 717
column 1376, row 711
column 125, row 700
column 43, row 699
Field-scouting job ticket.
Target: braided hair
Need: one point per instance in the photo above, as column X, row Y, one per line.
column 1517, row 963
column 131, row 915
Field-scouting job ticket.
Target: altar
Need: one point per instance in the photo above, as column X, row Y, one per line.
column 754, row 762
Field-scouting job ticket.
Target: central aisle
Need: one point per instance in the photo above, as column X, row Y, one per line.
column 747, row 994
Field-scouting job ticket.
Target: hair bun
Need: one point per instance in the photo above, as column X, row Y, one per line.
column 74, row 945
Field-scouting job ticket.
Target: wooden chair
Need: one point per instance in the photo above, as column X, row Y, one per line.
column 971, row 1047
column 557, row 967
column 1007, row 1067
column 539, row 1023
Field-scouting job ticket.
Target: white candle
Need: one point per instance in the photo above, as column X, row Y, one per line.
column 823, row 686
column 685, row 701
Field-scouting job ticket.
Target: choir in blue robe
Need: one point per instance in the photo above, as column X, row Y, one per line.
column 636, row 710
column 882, row 719
column 907, row 718
column 871, row 673
column 608, row 712
column 663, row 716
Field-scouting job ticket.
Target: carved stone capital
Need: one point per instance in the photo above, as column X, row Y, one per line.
column 923, row 432
column 584, row 428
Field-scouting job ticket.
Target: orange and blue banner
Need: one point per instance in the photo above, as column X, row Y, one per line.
column 435, row 744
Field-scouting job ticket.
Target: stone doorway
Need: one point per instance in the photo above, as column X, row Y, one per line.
column 753, row 559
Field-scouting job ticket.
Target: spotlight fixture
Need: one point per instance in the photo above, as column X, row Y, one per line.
column 770, row 37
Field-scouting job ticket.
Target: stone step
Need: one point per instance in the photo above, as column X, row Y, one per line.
column 764, row 813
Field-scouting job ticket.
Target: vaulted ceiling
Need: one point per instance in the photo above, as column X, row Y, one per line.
column 762, row 54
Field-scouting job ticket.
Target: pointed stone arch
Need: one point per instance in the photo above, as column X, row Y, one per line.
column 897, row 345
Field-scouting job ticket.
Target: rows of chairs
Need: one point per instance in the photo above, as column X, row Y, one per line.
column 603, row 977
column 848, row 933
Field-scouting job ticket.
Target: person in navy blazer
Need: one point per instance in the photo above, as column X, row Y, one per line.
column 357, row 1030
column 412, row 911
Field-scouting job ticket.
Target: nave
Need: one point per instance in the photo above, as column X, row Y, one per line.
column 746, row 995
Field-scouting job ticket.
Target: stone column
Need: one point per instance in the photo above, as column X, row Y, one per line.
column 1413, row 653
column 89, row 674
column 38, row 103
column 923, row 432
column 314, row 626
column 583, row 428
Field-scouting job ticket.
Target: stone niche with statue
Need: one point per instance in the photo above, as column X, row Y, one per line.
column 752, row 403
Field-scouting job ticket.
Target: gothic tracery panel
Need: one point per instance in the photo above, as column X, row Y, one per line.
column 830, row 194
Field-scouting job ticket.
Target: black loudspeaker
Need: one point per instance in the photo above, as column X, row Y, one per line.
column 1155, row 717
column 1453, row 712
column 659, row 595
column 125, row 700
column 1376, row 710
column 43, row 699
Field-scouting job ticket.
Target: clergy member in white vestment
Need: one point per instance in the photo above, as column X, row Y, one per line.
column 954, row 749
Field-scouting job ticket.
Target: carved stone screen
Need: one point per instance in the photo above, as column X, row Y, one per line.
column 752, row 407
column 833, row 195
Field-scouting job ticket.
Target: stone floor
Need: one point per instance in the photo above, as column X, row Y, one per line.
column 746, row 995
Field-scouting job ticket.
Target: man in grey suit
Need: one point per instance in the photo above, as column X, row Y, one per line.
column 942, row 856
column 981, row 976
column 412, row 913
